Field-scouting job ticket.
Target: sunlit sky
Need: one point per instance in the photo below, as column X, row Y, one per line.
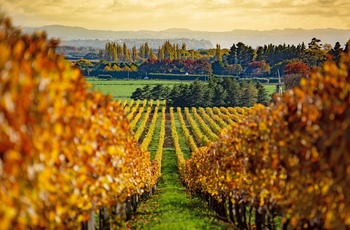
column 206, row 15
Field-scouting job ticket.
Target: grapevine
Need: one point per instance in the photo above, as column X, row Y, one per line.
column 205, row 128
column 64, row 149
column 289, row 160
column 188, row 137
column 196, row 130
column 214, row 117
column 178, row 151
column 148, row 138
column 159, row 152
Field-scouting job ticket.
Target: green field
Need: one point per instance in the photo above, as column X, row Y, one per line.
column 270, row 88
column 122, row 89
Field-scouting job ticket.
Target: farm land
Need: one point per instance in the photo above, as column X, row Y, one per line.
column 73, row 158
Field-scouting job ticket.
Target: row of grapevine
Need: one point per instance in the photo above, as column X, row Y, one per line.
column 205, row 128
column 235, row 117
column 179, row 154
column 215, row 117
column 136, row 118
column 290, row 160
column 213, row 124
column 240, row 110
column 64, row 151
column 200, row 137
column 124, row 103
column 143, row 124
column 150, row 102
column 148, row 138
column 188, row 137
column 131, row 103
column 130, row 112
column 159, row 153
column 223, row 116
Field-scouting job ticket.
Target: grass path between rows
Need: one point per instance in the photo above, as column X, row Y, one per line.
column 171, row 207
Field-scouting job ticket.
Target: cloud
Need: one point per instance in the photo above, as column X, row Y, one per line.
column 195, row 14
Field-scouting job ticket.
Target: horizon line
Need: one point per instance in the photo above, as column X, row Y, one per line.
column 178, row 28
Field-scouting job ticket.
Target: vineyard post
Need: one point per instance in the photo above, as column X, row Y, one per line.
column 91, row 221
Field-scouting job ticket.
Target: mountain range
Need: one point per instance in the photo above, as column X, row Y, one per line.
column 253, row 38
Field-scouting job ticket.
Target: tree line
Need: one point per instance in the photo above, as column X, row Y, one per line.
column 272, row 59
column 217, row 92
column 240, row 60
column 116, row 52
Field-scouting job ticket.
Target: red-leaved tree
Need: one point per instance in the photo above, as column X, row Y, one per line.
column 297, row 68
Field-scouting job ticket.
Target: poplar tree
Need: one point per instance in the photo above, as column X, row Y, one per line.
column 134, row 54
column 151, row 54
column 218, row 56
column 146, row 50
column 161, row 53
column 142, row 51
column 119, row 51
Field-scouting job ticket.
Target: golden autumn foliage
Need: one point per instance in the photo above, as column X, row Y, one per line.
column 188, row 137
column 64, row 150
column 159, row 154
column 179, row 154
column 293, row 155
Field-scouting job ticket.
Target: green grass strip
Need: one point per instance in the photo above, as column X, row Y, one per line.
column 171, row 207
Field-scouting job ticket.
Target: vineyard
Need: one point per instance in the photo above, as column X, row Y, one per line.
column 74, row 158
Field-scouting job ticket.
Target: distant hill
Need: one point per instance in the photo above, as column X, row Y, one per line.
column 153, row 43
column 225, row 39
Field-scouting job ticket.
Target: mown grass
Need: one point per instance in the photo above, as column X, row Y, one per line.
column 123, row 89
column 171, row 207
column 270, row 88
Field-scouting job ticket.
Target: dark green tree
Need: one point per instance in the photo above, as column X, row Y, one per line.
column 260, row 54
column 137, row 94
column 232, row 92
column 347, row 46
column 196, row 94
column 232, row 55
column 178, row 95
column 245, row 54
column 218, row 67
column 146, row 92
column 219, row 95
column 336, row 52
column 208, row 95
column 159, row 91
column 248, row 94
column 262, row 97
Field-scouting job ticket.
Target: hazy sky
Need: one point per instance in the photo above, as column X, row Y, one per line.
column 210, row 15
